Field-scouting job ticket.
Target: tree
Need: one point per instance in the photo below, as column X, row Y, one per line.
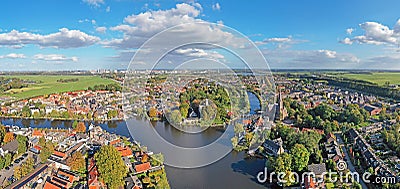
column 184, row 109
column 157, row 159
column 2, row 133
column 145, row 158
column 80, row 128
column 282, row 163
column 76, row 162
column 111, row 167
column 8, row 137
column 175, row 117
column 74, row 124
column 153, row 112
column 356, row 185
column 22, row 143
column 47, row 149
column 26, row 111
column 300, row 157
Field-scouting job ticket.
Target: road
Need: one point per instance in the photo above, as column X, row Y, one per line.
column 348, row 162
column 5, row 174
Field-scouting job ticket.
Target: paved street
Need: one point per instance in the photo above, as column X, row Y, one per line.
column 348, row 162
column 5, row 174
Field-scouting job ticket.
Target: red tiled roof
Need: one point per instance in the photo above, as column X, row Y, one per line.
column 70, row 177
column 37, row 133
column 142, row 167
column 49, row 185
column 316, row 130
column 124, row 151
column 59, row 154
column 115, row 141
column 37, row 147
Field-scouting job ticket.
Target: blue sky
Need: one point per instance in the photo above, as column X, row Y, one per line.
column 103, row 34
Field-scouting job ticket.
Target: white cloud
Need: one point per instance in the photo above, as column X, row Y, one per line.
column 140, row 27
column 55, row 57
column 94, row 3
column 64, row 38
column 195, row 52
column 216, row 6
column 349, row 31
column 101, row 29
column 13, row 56
column 376, row 34
column 108, row 9
column 274, row 40
column 346, row 41
column 93, row 22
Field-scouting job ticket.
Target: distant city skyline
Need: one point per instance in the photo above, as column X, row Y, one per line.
column 105, row 34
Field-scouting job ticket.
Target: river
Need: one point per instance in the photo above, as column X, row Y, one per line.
column 235, row 170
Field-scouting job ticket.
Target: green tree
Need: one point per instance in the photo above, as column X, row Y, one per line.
column 74, row 124
column 2, row 133
column 111, row 167
column 22, row 143
column 175, row 117
column 300, row 157
column 46, row 151
column 184, row 109
column 76, row 162
column 282, row 163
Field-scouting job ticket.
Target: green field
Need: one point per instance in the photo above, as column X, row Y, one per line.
column 379, row 78
column 47, row 84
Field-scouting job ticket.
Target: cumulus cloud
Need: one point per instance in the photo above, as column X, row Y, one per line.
column 137, row 28
column 94, row 3
column 376, row 34
column 216, row 6
column 108, row 9
column 195, row 52
column 101, row 29
column 55, row 57
column 13, row 56
column 349, row 31
column 64, row 38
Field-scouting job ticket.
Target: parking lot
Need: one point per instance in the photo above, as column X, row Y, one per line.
column 7, row 172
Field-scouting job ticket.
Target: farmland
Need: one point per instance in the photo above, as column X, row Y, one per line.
column 49, row 84
column 379, row 78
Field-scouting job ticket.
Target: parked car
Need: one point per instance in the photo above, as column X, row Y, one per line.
column 7, row 168
column 17, row 161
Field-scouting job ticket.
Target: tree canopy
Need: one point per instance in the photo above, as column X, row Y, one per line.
column 111, row 167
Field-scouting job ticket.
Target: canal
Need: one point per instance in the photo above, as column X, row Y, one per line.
column 233, row 170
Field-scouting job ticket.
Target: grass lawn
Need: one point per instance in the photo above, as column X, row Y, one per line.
column 47, row 84
column 376, row 77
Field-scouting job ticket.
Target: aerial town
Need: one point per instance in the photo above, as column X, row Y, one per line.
column 317, row 127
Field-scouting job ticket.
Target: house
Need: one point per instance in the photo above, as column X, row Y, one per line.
column 93, row 176
column 37, row 133
column 61, row 179
column 141, row 168
column 10, row 147
column 125, row 151
column 372, row 110
column 318, row 170
column 332, row 148
column 273, row 148
column 133, row 182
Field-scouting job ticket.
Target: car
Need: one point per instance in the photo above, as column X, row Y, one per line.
column 24, row 155
column 7, row 168
column 17, row 161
